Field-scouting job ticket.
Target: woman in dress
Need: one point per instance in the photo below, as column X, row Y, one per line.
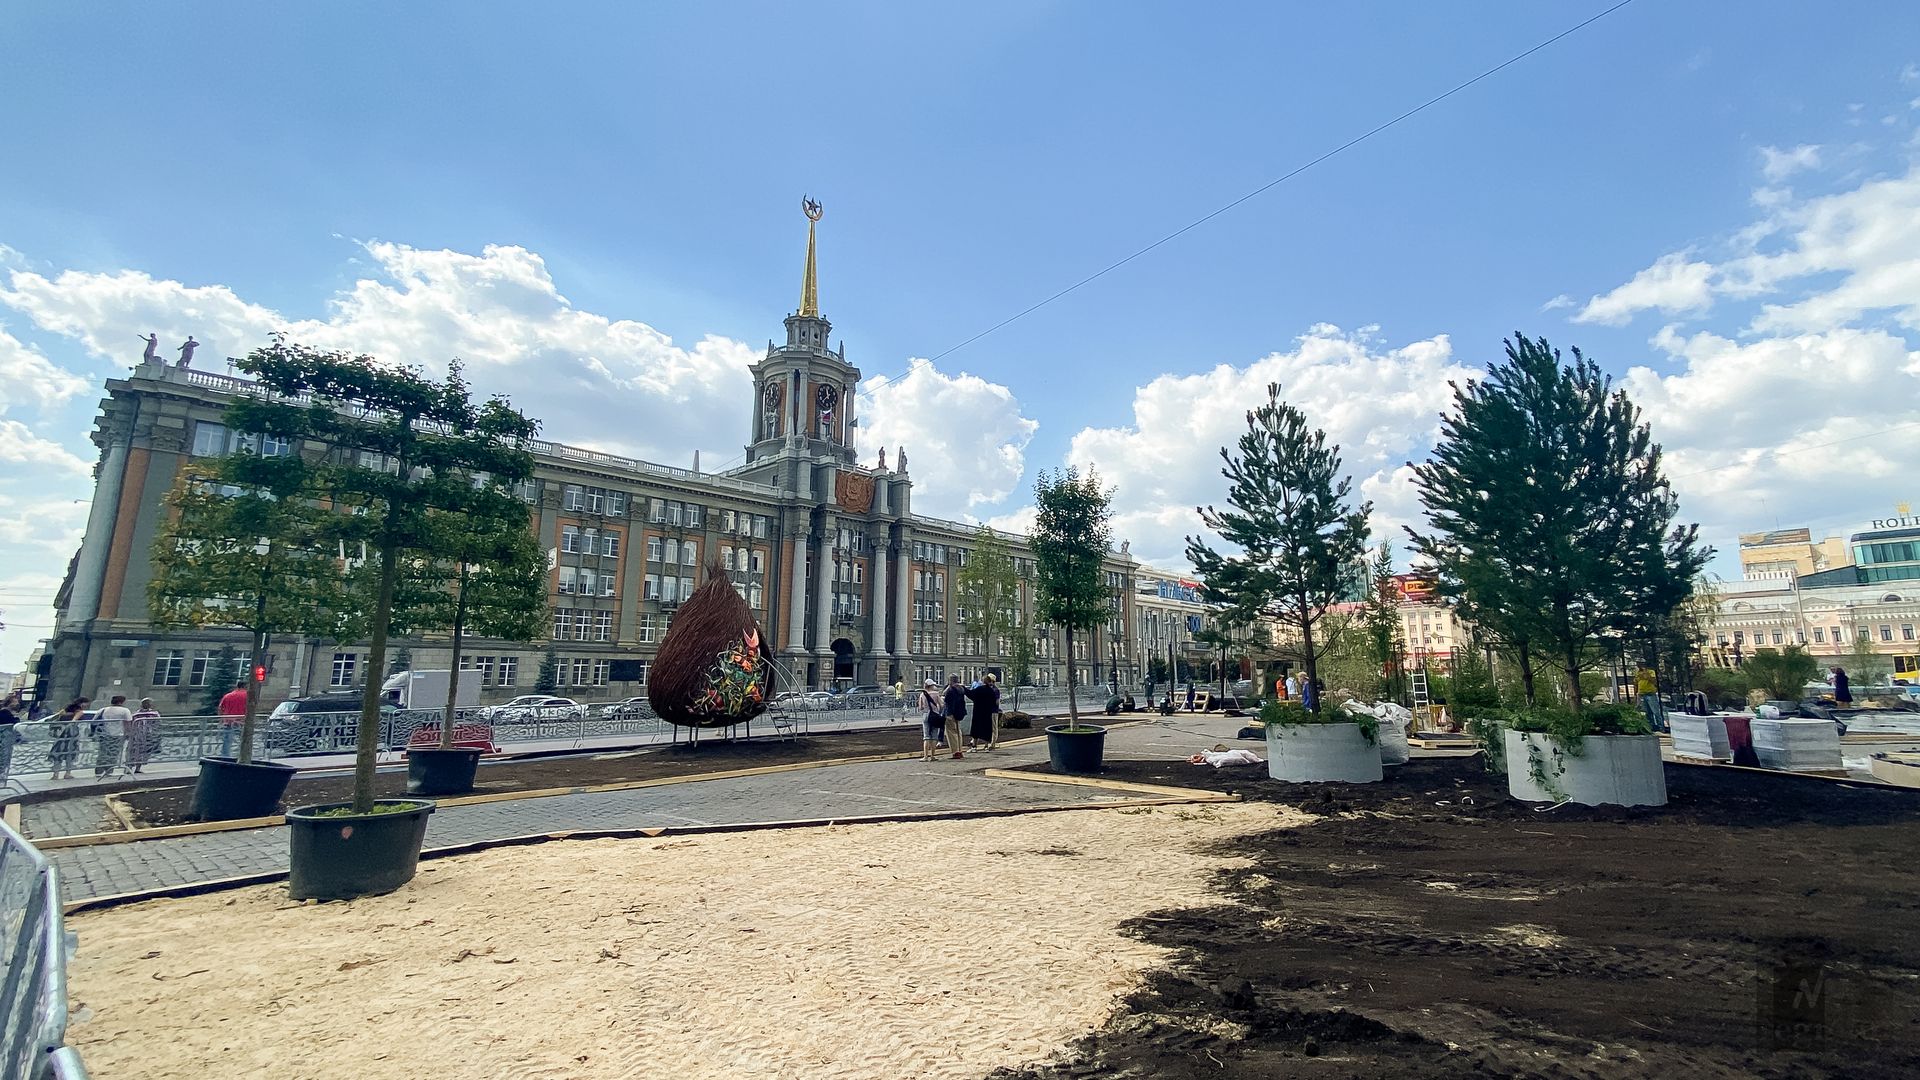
column 143, row 735
column 64, row 730
column 985, row 730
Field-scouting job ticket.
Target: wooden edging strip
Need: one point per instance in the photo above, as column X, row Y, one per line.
column 1828, row 776
column 1188, row 794
column 10, row 814
column 649, row 832
column 202, row 828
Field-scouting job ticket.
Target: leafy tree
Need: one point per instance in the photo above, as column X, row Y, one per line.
column 1782, row 673
column 243, row 546
column 1866, row 667
column 548, row 680
column 1549, row 513
column 987, row 590
column 1070, row 537
column 1290, row 519
column 404, row 448
column 222, row 673
column 1020, row 657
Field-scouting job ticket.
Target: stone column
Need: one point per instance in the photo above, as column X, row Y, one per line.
column 91, row 568
column 797, row 598
column 902, row 634
column 879, row 600
column 823, row 603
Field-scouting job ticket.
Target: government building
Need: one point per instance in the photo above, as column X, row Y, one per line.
column 852, row 586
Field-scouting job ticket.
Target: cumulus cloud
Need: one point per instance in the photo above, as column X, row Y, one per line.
column 1777, row 164
column 616, row 384
column 1673, row 284
column 966, row 437
column 20, row 445
column 1381, row 405
column 28, row 377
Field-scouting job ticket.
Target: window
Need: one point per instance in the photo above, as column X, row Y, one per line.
column 673, row 551
column 727, row 521
column 726, row 558
column 596, row 500
column 693, row 516
column 603, row 626
column 601, row 669
column 755, row 598
column 759, row 564
column 616, row 503
column 675, row 511
column 610, row 545
column 1906, row 632
column 859, row 575
column 1886, row 633
column 759, row 526
column 567, row 574
column 1861, row 633
column 642, row 679
column 201, row 669
column 570, row 538
column 646, row 628
column 343, row 667
column 669, row 589
column 573, row 497
column 653, row 549
column 580, row 672
column 527, row 490
column 209, row 440
column 607, row 581
column 589, row 583
column 1837, row 639
column 1779, row 638
column 562, row 623
column 656, row 510
column 509, row 671
column 275, row 445
column 166, row 666
column 690, row 553
column 1819, row 637
column 686, row 588
column 481, row 664
column 652, row 588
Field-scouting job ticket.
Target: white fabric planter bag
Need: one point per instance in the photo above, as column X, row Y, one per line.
column 1308, row 752
column 1616, row 770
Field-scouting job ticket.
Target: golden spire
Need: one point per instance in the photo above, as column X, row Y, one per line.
column 810, row 287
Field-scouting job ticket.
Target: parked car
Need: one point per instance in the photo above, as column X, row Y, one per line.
column 866, row 697
column 790, row 701
column 536, row 708
column 324, row 722
column 633, row 708
column 820, row 699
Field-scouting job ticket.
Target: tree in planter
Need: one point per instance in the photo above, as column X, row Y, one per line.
column 1549, row 513
column 498, row 576
column 1782, row 673
column 547, row 681
column 1298, row 539
column 1071, row 534
column 987, row 590
column 243, row 547
column 404, row 448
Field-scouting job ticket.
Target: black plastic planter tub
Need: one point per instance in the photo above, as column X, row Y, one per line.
column 432, row 770
column 339, row 858
column 1077, row 750
column 228, row 790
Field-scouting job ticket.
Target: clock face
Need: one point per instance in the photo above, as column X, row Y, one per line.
column 773, row 393
column 827, row 397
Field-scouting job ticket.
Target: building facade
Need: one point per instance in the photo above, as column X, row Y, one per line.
column 851, row 585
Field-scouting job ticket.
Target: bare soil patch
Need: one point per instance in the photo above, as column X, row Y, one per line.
column 1429, row 926
column 167, row 803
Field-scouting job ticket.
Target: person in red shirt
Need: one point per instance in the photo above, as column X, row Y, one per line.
column 233, row 713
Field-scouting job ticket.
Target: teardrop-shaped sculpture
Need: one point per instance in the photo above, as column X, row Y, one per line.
column 713, row 669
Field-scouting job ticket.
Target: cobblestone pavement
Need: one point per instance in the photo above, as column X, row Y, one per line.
column 66, row 817
column 830, row 791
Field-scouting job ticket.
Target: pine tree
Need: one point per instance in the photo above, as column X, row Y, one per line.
column 402, row 661
column 1290, row 520
column 222, row 673
column 1071, row 535
column 548, row 680
column 1550, row 520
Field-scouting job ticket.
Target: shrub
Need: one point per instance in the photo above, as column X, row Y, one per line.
column 1292, row 713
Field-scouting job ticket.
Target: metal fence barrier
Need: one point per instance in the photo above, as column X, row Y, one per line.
column 35, row 946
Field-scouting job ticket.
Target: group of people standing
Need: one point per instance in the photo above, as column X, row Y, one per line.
column 944, row 723
column 121, row 737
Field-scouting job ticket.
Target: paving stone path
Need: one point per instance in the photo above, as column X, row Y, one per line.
column 883, row 787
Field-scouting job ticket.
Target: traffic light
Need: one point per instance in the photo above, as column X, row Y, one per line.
column 260, row 673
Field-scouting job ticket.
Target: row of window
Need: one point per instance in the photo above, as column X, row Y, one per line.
column 593, row 500
column 575, row 540
column 670, row 550
column 929, row 610
column 581, row 624
column 929, row 581
column 578, row 580
column 929, row 552
column 1820, row 635
column 170, row 665
column 747, row 559
column 213, row 440
column 493, row 670
column 666, row 588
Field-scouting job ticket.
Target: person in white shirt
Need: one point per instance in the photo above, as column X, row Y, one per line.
column 1293, row 687
column 110, row 736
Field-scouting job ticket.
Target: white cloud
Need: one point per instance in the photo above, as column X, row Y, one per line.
column 616, row 384
column 21, row 446
column 966, row 438
column 26, row 376
column 1777, row 164
column 1559, row 302
column 1381, row 405
column 1674, row 284
column 1910, row 74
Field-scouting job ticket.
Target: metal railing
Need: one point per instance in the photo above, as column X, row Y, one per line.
column 34, row 945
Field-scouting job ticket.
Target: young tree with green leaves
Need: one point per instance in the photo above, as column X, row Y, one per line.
column 404, row 448
column 243, row 546
column 1291, row 521
column 1549, row 515
column 494, row 580
column 1070, row 536
column 987, row 591
column 1782, row 673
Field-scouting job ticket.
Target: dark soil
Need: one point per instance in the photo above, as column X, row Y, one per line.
column 167, row 803
column 1429, row 926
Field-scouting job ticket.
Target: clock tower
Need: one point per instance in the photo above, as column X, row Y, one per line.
column 803, row 391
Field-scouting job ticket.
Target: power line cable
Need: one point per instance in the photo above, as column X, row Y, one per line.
column 1269, row 185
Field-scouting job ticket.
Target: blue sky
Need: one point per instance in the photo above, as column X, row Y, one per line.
column 223, row 169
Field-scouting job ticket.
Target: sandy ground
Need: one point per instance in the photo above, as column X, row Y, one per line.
column 925, row 949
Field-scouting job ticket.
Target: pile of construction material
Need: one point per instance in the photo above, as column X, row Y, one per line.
column 1796, row 744
column 1700, row 736
column 1396, row 722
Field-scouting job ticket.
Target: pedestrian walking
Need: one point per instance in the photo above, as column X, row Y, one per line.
column 64, row 730
column 985, row 696
column 109, row 731
column 1189, row 695
column 233, row 714
column 954, row 706
column 932, row 719
column 143, row 735
column 1292, row 687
